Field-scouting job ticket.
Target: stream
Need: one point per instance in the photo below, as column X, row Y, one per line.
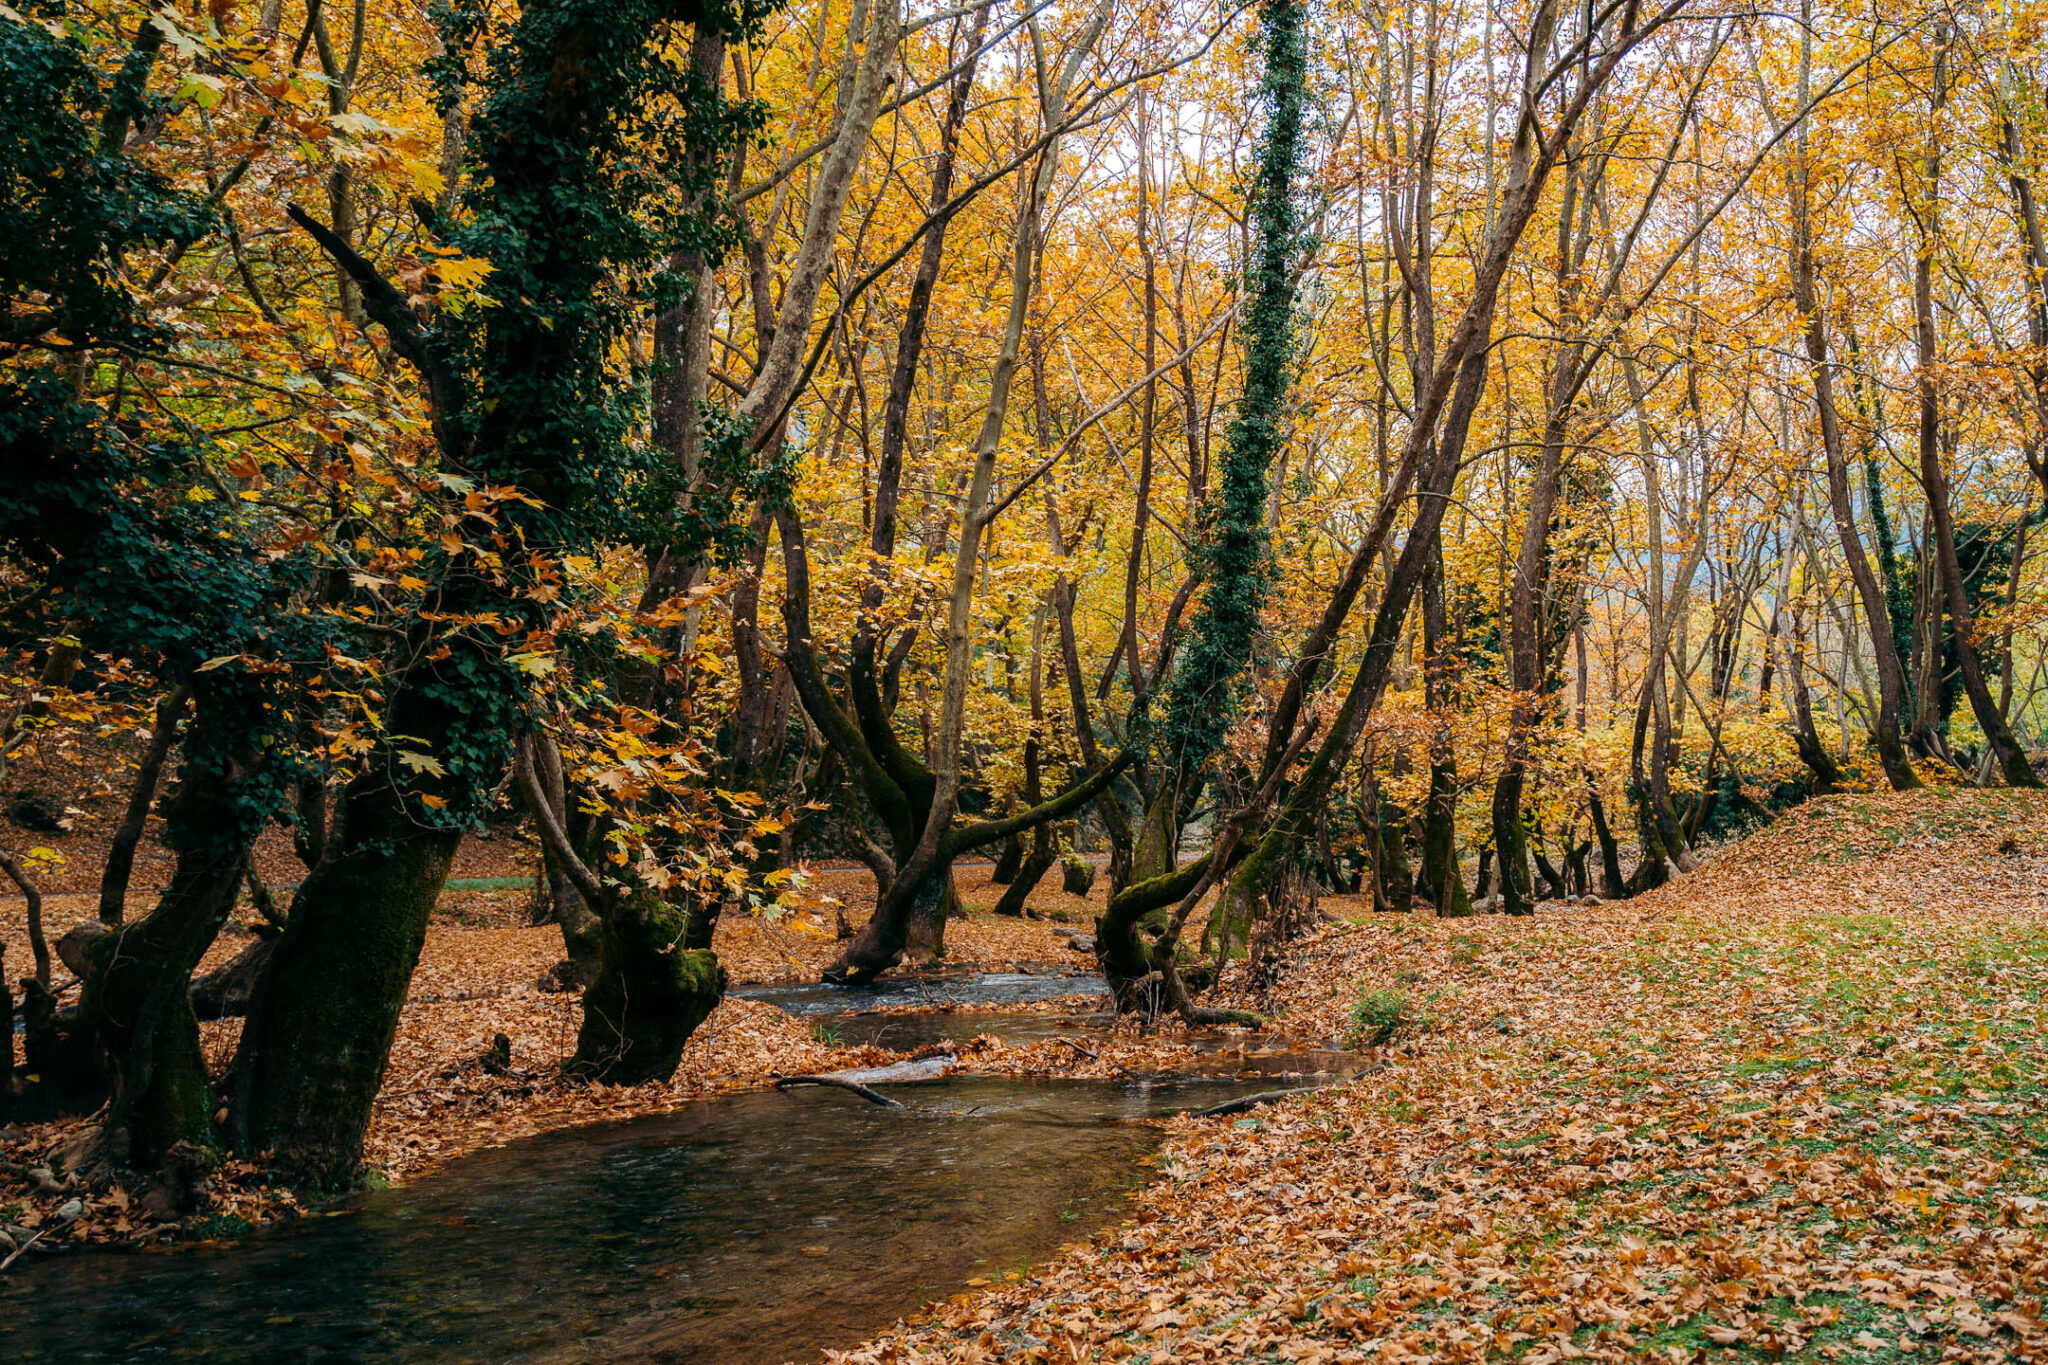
column 752, row 1229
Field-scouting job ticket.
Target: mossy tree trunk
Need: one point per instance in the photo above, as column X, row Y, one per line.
column 320, row 1027
column 656, row 978
column 1439, row 880
column 936, row 901
column 136, row 999
column 1653, row 865
column 1235, row 563
column 650, row 994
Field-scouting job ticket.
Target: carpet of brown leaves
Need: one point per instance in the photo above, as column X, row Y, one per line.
column 1789, row 1106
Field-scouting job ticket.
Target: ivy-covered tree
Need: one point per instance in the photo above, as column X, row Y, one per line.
column 136, row 554
column 1234, row 552
column 585, row 111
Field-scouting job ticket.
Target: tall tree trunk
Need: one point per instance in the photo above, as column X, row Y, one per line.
column 1891, row 677
column 1998, row 736
column 1234, row 555
column 1439, row 880
column 922, row 891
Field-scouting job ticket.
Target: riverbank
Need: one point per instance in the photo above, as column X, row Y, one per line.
column 1791, row 1105
column 480, row 976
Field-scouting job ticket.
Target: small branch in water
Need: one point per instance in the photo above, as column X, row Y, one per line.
column 871, row 1096
column 1091, row 1056
column 1251, row 1102
column 39, row 1234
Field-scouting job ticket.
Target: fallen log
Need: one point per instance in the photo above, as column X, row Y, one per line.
column 1248, row 1103
column 839, row 1083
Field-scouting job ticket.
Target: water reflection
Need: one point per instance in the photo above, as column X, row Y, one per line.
column 753, row 1229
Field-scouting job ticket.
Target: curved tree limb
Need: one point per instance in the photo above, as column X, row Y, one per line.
column 551, row 831
column 985, row 832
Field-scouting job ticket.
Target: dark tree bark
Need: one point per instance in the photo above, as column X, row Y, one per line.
column 1612, row 887
column 319, row 1030
column 1393, row 879
column 136, row 998
column 1891, row 677
column 651, row 992
column 1439, row 880
column 121, row 851
column 1008, row 863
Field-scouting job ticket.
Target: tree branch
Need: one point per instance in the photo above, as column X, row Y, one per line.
column 984, row 832
column 551, row 832
column 387, row 306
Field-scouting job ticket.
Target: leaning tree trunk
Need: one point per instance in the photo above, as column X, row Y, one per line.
column 1814, row 754
column 1998, row 736
column 582, row 929
column 319, row 1032
column 1030, row 872
column 136, row 999
column 656, row 977
column 1008, row 863
column 1030, row 867
column 1891, row 677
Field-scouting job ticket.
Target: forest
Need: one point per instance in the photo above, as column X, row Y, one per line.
column 677, row 562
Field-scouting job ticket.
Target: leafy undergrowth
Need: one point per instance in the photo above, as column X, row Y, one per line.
column 1789, row 1106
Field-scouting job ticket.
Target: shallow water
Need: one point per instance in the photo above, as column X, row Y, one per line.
column 966, row 989
column 753, row 1229
column 913, row 1012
